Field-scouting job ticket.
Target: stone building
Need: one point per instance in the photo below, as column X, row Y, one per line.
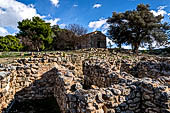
column 92, row 40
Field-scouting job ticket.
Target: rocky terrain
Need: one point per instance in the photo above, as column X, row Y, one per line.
column 86, row 81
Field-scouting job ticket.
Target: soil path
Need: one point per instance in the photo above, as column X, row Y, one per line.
column 6, row 60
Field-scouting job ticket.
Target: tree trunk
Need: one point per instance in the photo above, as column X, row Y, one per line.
column 132, row 47
column 38, row 49
column 135, row 48
column 120, row 46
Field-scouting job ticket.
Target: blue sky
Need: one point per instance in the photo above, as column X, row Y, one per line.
column 82, row 11
column 79, row 11
column 92, row 14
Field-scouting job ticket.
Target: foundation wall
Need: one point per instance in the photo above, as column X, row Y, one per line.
column 84, row 86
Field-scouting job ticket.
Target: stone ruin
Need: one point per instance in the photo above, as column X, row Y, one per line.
column 82, row 83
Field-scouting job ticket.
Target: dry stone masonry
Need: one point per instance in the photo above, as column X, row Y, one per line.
column 89, row 81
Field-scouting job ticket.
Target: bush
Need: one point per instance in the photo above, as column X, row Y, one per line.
column 10, row 43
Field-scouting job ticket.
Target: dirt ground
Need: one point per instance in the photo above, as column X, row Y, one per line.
column 6, row 60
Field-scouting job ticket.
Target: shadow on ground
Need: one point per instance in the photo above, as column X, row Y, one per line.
column 47, row 105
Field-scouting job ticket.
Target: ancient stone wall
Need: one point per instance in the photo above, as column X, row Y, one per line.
column 155, row 97
column 84, row 84
column 140, row 95
column 149, row 95
column 27, row 82
column 152, row 68
column 72, row 97
column 100, row 73
column 32, row 78
column 6, row 91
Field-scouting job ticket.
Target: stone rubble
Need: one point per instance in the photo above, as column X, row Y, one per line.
column 93, row 81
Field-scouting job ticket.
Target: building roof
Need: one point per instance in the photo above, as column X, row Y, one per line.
column 92, row 33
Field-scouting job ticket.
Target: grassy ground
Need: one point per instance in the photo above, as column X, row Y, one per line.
column 6, row 57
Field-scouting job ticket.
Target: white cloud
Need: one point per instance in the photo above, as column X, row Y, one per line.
column 75, row 5
column 127, row 47
column 53, row 21
column 62, row 26
column 160, row 11
column 105, row 28
column 97, row 5
column 109, row 43
column 97, row 24
column 161, row 7
column 3, row 32
column 55, row 2
column 12, row 11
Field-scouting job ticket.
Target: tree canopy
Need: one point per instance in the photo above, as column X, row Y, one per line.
column 35, row 34
column 77, row 29
column 138, row 27
column 63, row 39
column 10, row 43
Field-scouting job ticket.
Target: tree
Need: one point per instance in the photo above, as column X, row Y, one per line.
column 118, row 29
column 77, row 29
column 10, row 43
column 56, row 37
column 138, row 27
column 110, row 44
column 35, row 34
column 63, row 39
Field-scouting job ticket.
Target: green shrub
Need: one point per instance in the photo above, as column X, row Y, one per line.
column 10, row 43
